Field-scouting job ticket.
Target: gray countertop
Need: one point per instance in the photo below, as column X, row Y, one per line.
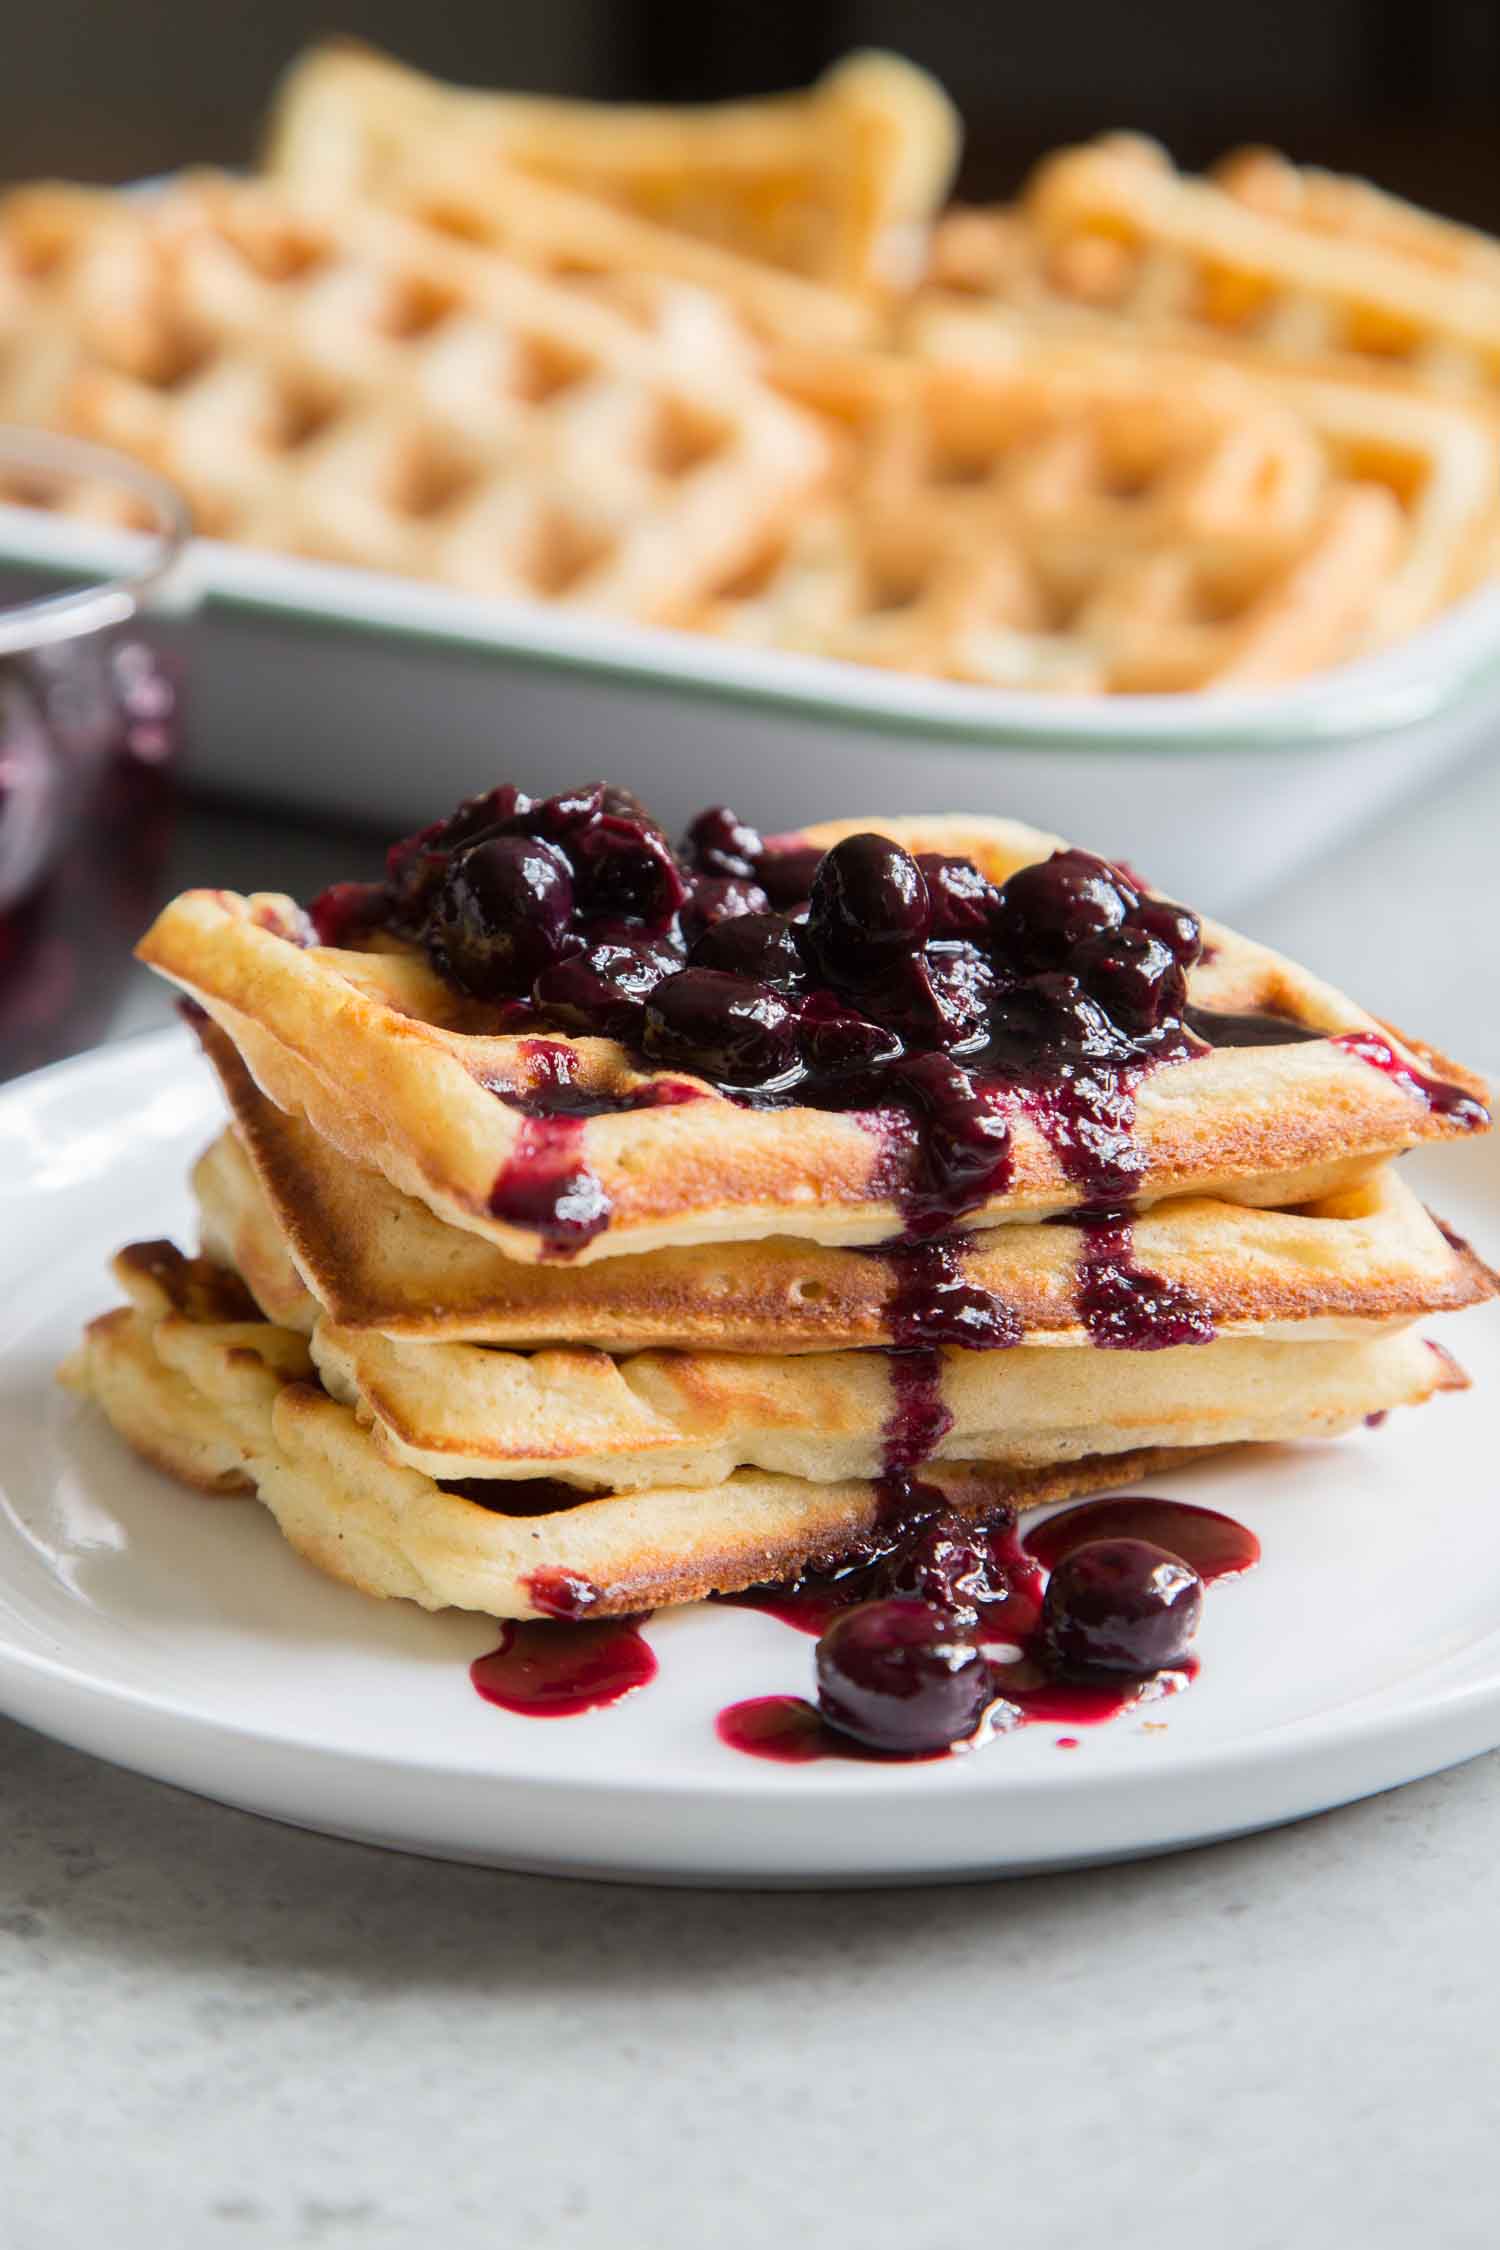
column 216, row 2030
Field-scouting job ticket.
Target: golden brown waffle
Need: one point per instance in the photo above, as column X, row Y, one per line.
column 223, row 1404
column 276, row 1203
column 337, row 382
column 693, row 1417
column 1080, row 517
column 1397, row 496
column 397, row 1070
column 1114, row 227
column 837, row 183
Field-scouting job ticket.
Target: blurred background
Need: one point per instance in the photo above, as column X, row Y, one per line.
column 1405, row 90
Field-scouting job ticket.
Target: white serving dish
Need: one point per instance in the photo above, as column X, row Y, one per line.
column 347, row 692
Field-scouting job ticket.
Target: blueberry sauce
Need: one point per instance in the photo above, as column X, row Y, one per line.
column 1127, row 1308
column 564, row 1594
column 346, row 912
column 1076, row 1654
column 544, row 1185
column 1215, row 1545
column 1001, row 1584
column 907, row 991
column 1442, row 1098
column 1218, row 1027
column 929, row 1300
column 788, row 1730
column 546, row 1671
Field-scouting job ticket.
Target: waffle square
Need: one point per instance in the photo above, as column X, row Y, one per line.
column 1324, row 519
column 224, row 1404
column 1080, row 517
column 397, row 1071
column 313, row 1234
column 338, row 382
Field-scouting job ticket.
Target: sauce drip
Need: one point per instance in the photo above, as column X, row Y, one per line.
column 554, row 1671
column 545, row 1186
column 1442, row 1098
column 1215, row 1545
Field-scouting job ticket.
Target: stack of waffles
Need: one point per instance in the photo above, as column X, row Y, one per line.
column 494, row 1314
column 735, row 371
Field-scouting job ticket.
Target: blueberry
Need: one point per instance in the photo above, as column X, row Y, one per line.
column 1050, row 1021
column 1120, row 1605
column 1046, row 911
column 625, row 867
column 946, row 1562
column 963, row 900
column 500, row 913
column 902, row 1676
column 942, row 998
column 964, row 1130
column 836, row 1040
column 1178, row 928
column 786, row 877
column 566, row 815
column 414, row 866
column 1135, row 977
column 869, row 909
column 603, row 989
column 722, row 898
column 753, row 945
column 718, row 842
column 725, row 1027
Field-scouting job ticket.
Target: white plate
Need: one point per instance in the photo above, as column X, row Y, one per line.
column 181, row 1637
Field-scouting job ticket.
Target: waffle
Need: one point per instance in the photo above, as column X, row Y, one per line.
column 837, row 183
column 1396, row 495
column 276, row 1204
column 1082, row 517
column 223, row 1404
column 396, row 1070
column 339, row 382
column 693, row 1418
column 1113, row 226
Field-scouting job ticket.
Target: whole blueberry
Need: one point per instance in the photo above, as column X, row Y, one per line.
column 415, row 865
column 837, row 1040
column 1048, row 910
column 724, row 1027
column 718, row 842
column 500, row 913
column 1134, row 977
column 1049, row 1022
column 721, row 898
column 902, row 1676
column 1178, row 928
column 963, row 900
column 786, row 876
column 753, row 945
column 869, row 909
column 625, row 867
column 603, row 989
column 1120, row 1605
